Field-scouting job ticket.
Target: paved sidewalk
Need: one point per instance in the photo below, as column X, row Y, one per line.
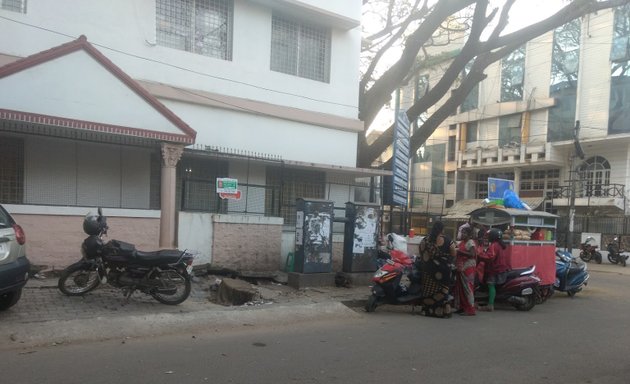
column 45, row 316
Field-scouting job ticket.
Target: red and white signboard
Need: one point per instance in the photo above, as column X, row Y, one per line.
column 230, row 195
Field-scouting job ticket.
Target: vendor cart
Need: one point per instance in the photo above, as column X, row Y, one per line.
column 530, row 237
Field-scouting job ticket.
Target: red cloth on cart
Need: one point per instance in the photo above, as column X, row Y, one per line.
column 542, row 256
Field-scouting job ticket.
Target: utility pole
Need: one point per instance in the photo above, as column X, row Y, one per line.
column 579, row 153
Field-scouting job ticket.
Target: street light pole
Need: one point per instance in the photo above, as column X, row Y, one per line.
column 579, row 153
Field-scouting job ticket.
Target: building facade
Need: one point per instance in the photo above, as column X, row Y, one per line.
column 140, row 106
column 520, row 124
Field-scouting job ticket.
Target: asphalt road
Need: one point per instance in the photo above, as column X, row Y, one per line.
column 581, row 340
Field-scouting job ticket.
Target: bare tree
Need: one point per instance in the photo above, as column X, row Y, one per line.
column 414, row 25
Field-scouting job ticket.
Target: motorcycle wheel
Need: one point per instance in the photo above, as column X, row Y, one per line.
column 598, row 257
column 76, row 280
column 571, row 293
column 612, row 259
column 585, row 256
column 530, row 302
column 372, row 303
column 173, row 288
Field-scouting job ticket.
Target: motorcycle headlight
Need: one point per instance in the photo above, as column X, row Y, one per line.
column 380, row 273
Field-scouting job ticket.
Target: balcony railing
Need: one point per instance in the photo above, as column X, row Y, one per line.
column 590, row 190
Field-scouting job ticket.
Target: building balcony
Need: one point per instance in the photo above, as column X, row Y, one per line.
column 590, row 195
column 509, row 155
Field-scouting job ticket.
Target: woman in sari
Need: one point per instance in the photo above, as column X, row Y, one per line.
column 437, row 253
column 466, row 269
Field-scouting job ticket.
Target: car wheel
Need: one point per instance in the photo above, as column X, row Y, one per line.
column 9, row 299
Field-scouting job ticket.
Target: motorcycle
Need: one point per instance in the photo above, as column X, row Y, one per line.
column 589, row 251
column 520, row 289
column 615, row 255
column 388, row 286
column 165, row 274
column 571, row 275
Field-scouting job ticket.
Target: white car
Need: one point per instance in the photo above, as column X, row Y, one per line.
column 14, row 266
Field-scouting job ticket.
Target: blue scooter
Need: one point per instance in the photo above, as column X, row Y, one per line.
column 571, row 274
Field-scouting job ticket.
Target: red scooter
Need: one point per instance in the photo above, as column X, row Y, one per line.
column 388, row 286
column 520, row 289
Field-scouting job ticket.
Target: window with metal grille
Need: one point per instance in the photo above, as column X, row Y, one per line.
column 197, row 189
column 14, row 5
column 300, row 49
column 288, row 185
column 11, row 170
column 198, row 26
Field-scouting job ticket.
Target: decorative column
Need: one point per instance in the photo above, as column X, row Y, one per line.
column 171, row 153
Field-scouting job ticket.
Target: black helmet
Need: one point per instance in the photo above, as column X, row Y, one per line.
column 495, row 234
column 92, row 225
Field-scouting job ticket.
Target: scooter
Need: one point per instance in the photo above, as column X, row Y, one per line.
column 615, row 255
column 571, row 274
column 519, row 290
column 387, row 283
column 589, row 251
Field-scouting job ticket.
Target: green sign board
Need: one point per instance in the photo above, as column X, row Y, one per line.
column 226, row 185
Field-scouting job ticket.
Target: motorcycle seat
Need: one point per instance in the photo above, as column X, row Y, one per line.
column 163, row 256
column 517, row 272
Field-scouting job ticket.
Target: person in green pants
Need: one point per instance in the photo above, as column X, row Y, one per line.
column 496, row 265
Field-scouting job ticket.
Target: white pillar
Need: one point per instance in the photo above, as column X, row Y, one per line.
column 171, row 153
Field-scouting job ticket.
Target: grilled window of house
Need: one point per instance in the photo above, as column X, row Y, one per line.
column 14, row 5
column 594, row 173
column 199, row 26
column 11, row 170
column 286, row 185
column 300, row 49
column 197, row 184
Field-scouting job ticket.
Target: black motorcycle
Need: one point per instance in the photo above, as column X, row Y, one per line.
column 615, row 255
column 588, row 251
column 165, row 275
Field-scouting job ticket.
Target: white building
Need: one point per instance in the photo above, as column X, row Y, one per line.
column 518, row 124
column 138, row 106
